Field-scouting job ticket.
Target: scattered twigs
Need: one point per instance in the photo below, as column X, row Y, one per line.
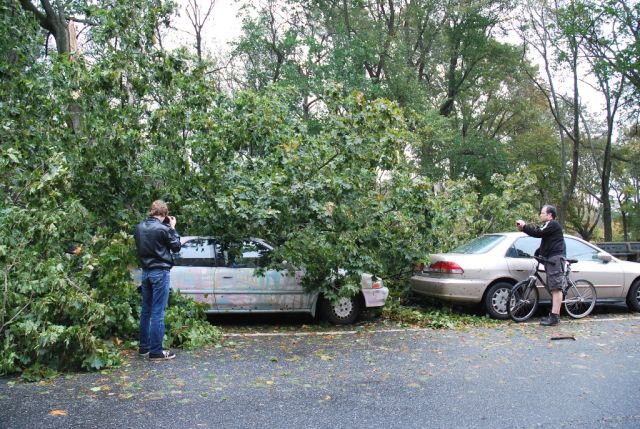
column 76, row 286
column 14, row 316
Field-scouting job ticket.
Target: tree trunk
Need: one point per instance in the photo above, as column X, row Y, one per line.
column 447, row 107
column 605, row 188
column 575, row 139
column 64, row 32
column 53, row 21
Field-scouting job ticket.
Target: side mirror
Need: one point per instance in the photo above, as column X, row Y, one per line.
column 604, row 257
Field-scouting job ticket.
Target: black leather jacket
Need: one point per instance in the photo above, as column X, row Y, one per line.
column 155, row 242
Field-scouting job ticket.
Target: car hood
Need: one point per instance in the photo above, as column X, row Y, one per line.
column 629, row 267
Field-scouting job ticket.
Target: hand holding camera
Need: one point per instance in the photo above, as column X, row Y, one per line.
column 170, row 220
column 520, row 224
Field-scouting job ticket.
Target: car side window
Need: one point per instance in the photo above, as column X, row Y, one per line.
column 198, row 252
column 221, row 254
column 523, row 247
column 248, row 254
column 580, row 251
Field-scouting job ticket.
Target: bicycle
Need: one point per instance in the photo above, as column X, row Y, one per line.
column 578, row 297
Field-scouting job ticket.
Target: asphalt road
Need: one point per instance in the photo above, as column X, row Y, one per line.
column 509, row 376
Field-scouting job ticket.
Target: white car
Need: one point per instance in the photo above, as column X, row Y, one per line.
column 224, row 277
column 484, row 270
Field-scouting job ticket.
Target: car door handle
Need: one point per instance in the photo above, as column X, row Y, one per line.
column 227, row 277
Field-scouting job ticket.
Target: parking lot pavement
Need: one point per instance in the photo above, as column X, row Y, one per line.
column 507, row 376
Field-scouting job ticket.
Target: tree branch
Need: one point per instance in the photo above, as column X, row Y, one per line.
column 41, row 17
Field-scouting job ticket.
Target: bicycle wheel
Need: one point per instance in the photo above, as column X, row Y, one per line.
column 580, row 298
column 523, row 301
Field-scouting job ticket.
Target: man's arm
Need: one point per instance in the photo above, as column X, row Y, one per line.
column 546, row 230
column 173, row 240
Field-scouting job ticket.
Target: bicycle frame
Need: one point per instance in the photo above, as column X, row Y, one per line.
column 578, row 297
column 535, row 272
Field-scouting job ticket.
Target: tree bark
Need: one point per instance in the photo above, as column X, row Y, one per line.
column 54, row 20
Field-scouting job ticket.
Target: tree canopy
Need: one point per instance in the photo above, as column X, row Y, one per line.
column 356, row 136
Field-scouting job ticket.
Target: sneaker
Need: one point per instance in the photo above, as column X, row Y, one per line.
column 551, row 320
column 142, row 353
column 165, row 355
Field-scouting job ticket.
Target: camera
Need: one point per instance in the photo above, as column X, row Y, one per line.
column 167, row 220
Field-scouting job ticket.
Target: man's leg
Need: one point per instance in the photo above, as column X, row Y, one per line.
column 145, row 313
column 555, row 279
column 556, row 301
column 160, row 284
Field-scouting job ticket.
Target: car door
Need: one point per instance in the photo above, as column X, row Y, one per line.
column 518, row 256
column 194, row 270
column 521, row 264
column 607, row 277
column 238, row 288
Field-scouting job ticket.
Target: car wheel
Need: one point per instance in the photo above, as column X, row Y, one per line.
column 495, row 300
column 633, row 297
column 342, row 312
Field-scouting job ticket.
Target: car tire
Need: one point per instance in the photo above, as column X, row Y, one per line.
column 633, row 297
column 495, row 300
column 344, row 312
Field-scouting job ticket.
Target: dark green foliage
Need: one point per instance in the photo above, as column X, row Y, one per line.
column 59, row 187
column 357, row 143
column 186, row 324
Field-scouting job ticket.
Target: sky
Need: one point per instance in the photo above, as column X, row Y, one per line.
column 222, row 27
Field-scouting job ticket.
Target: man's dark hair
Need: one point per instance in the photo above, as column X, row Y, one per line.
column 551, row 210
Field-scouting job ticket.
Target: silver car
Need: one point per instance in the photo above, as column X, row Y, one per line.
column 224, row 277
column 484, row 270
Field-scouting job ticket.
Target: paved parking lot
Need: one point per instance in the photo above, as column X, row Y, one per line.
column 507, row 376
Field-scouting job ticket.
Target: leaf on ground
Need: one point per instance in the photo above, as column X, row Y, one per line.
column 58, row 413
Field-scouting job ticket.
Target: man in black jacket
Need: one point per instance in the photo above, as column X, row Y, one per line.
column 553, row 248
column 156, row 238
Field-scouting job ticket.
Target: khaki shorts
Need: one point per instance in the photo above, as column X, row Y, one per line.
column 555, row 273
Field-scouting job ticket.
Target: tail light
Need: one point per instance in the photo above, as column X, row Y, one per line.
column 446, row 267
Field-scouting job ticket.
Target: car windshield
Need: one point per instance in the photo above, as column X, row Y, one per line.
column 481, row 244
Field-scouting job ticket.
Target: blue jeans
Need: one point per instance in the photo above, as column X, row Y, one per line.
column 155, row 296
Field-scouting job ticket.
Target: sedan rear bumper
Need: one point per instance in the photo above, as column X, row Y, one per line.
column 375, row 297
column 449, row 289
